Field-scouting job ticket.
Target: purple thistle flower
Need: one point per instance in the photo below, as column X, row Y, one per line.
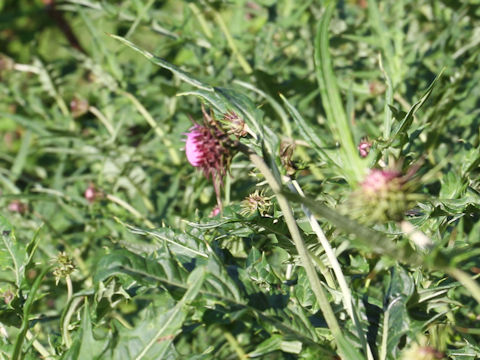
column 209, row 148
column 205, row 149
column 384, row 194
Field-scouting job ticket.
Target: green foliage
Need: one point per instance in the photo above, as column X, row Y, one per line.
column 96, row 98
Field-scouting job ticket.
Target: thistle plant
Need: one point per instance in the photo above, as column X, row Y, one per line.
column 17, row 206
column 338, row 252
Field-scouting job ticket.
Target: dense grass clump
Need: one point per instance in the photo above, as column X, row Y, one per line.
column 239, row 179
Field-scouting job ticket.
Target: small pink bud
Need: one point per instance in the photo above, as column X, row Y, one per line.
column 364, row 148
column 17, row 206
column 419, row 352
column 384, row 195
column 215, row 211
column 91, row 194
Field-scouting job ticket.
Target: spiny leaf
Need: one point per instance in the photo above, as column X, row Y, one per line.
column 13, row 255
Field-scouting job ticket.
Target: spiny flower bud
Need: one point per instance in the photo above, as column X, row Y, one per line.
column 417, row 352
column 286, row 153
column 256, row 202
column 236, row 124
column 65, row 267
column 383, row 195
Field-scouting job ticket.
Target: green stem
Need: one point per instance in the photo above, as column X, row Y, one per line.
column 332, row 101
column 65, row 319
column 241, row 60
column 69, row 287
column 466, row 280
column 201, row 20
column 105, row 122
column 235, row 345
column 130, row 209
column 299, row 243
column 38, row 346
column 347, row 298
column 324, row 270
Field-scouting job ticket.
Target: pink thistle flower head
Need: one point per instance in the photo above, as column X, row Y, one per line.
column 384, row 195
column 380, row 180
column 209, row 148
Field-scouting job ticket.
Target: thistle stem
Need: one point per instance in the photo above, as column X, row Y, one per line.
column 69, row 287
column 241, row 60
column 38, row 346
column 235, row 345
column 302, row 250
column 130, row 209
column 332, row 259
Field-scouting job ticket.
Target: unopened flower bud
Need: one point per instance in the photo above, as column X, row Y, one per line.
column 92, row 194
column 417, row 352
column 215, row 211
column 78, row 107
column 18, row 207
column 6, row 63
column 65, row 267
column 286, row 153
column 8, row 296
column 256, row 202
column 364, row 148
column 383, row 195
column 236, row 124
